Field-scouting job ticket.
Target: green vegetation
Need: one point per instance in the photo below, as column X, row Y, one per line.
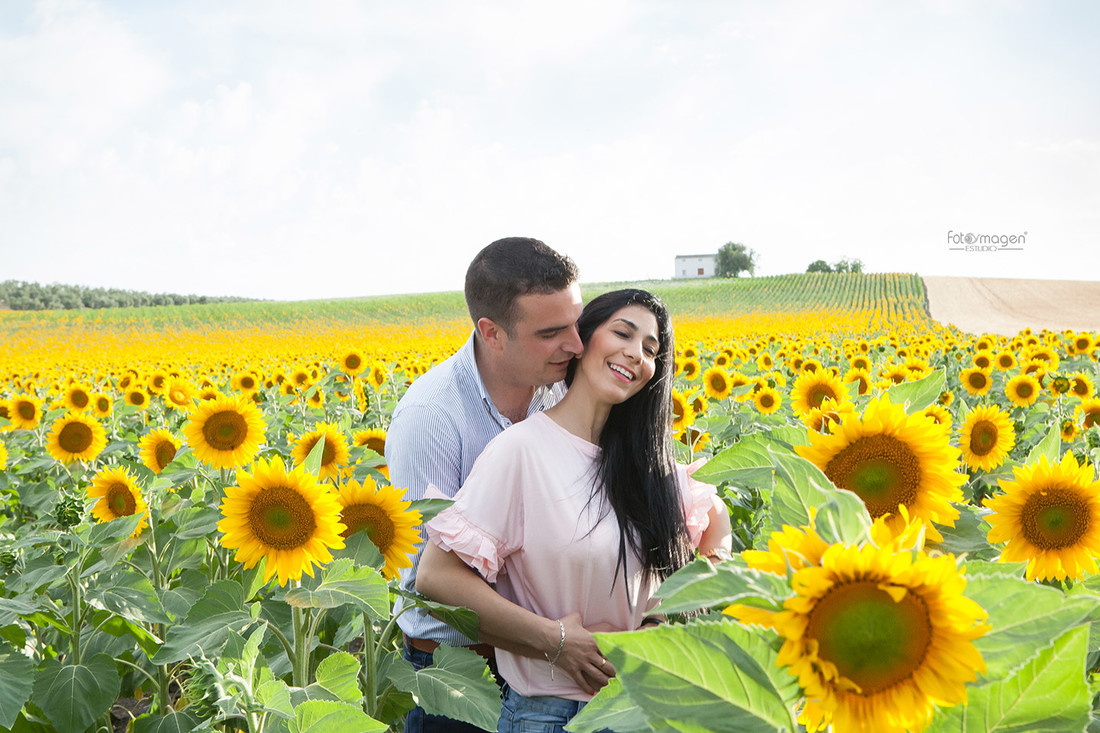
column 23, row 296
column 712, row 296
column 733, row 259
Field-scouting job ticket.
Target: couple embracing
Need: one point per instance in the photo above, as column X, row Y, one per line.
column 554, row 421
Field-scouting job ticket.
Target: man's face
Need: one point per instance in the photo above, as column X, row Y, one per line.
column 544, row 338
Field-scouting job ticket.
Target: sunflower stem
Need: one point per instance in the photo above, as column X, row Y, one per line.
column 370, row 666
column 300, row 662
column 74, row 586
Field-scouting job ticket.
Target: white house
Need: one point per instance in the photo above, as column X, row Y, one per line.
column 695, row 265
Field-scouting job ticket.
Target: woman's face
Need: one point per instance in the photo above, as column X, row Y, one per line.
column 620, row 356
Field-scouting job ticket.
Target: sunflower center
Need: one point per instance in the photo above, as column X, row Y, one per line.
column 178, row 396
column 977, row 380
column 164, row 452
column 881, row 469
column 26, row 410
column 248, row 382
column 983, row 437
column 120, row 500
column 328, row 453
column 372, row 519
column 818, row 393
column 872, row 639
column 1024, row 389
column 79, row 399
column 280, row 517
column 766, row 400
column 1054, row 518
column 76, row 437
column 225, row 430
column 353, row 361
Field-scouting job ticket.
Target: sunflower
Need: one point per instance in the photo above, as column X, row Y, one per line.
column 225, row 432
column 939, row 415
column 333, row 456
column 975, row 380
column 878, row 636
column 158, row 448
column 1005, row 360
column 1050, row 516
column 986, row 438
column 76, row 438
column 25, row 412
column 812, row 388
column 179, row 394
column 896, row 373
column 352, row 362
column 288, row 518
column 890, row 459
column 375, row 440
column 983, row 359
column 387, row 520
column 695, row 439
column 682, row 412
column 767, row 400
column 3, row 456
column 1083, row 343
column 245, row 382
column 765, row 362
column 101, row 404
column 1069, row 430
column 860, row 362
column 118, row 495
column 1081, row 386
column 1023, row 390
column 1089, row 410
column 378, row 375
column 716, row 383
column 137, row 397
column 77, row 398
column 827, row 417
column 689, row 368
column 859, row 375
column 698, row 402
column 1060, row 384
column 158, row 382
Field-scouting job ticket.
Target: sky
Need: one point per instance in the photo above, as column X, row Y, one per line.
column 294, row 150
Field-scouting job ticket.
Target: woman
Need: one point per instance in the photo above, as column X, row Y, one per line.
column 577, row 514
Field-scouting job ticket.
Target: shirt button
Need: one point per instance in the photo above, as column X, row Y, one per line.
column 507, row 422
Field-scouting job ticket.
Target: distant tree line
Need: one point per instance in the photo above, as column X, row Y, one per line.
column 23, row 296
column 845, row 265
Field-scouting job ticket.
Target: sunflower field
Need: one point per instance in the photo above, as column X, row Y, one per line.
column 198, row 532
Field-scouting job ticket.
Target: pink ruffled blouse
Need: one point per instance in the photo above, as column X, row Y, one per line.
column 523, row 520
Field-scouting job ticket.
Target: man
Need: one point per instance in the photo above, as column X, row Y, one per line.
column 524, row 300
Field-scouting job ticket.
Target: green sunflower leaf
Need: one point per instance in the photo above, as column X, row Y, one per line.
column 745, row 463
column 461, row 619
column 1025, row 618
column 129, row 594
column 116, row 530
column 610, row 709
column 208, row 623
column 720, row 676
column 342, row 582
column 73, row 695
column 177, row 721
column 337, row 679
column 919, row 394
column 699, row 585
column 458, row 685
column 312, row 464
column 16, row 681
column 1049, row 446
column 325, row 716
column 843, row 518
column 1048, row 694
column 799, row 486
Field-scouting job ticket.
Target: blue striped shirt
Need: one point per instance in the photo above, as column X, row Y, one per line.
column 438, row 430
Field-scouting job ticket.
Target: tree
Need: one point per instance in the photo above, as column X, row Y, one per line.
column 848, row 265
column 819, row 266
column 733, row 259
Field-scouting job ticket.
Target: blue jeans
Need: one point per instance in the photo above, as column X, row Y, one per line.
column 536, row 714
column 418, row 721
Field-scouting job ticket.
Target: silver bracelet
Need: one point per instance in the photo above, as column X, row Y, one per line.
column 561, row 646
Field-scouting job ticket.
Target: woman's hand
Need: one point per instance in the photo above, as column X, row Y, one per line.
column 580, row 657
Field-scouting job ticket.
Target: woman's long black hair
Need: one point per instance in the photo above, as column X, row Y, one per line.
column 636, row 466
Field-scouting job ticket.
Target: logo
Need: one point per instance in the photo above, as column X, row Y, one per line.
column 971, row 242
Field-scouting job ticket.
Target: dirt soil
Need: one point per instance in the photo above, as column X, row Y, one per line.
column 1005, row 306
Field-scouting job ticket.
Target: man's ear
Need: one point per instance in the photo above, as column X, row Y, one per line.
column 492, row 334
